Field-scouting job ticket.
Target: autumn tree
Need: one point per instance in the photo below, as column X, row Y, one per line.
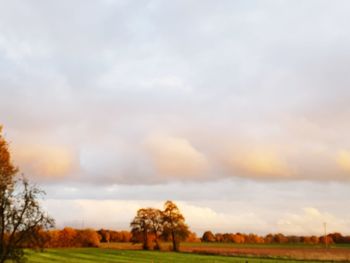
column 68, row 237
column 125, row 236
column 155, row 217
column 105, row 235
column 174, row 224
column 139, row 227
column 219, row 237
column 88, row 238
column 208, row 236
column 21, row 216
column 192, row 237
column 148, row 221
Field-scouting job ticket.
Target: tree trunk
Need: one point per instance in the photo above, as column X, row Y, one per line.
column 175, row 245
column 157, row 247
column 145, row 240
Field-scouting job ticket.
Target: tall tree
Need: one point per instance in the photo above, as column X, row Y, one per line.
column 21, row 216
column 174, row 224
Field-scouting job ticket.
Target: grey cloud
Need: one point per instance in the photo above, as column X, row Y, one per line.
column 230, row 78
column 251, row 97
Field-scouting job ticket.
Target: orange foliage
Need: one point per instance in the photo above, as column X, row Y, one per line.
column 279, row 238
column 114, row 236
column 192, row 237
column 69, row 237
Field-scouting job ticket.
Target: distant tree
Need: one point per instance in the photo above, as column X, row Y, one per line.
column 280, row 238
column 174, row 224
column 105, row 235
column 53, row 239
column 87, row 238
column 21, row 216
column 227, row 237
column 68, row 237
column 125, row 236
column 238, row 238
column 294, row 239
column 337, row 238
column 314, row 240
column 255, row 239
column 208, row 236
column 269, row 238
column 192, row 237
column 326, row 240
column 115, row 236
column 219, row 237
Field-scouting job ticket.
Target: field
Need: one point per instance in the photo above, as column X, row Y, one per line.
column 299, row 252
column 194, row 252
column 91, row 255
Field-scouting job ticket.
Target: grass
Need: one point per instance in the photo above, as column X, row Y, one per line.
column 92, row 255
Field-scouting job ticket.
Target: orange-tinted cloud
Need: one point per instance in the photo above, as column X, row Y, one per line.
column 44, row 161
column 343, row 160
column 262, row 163
column 174, row 156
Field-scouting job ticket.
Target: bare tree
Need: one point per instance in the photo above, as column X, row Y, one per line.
column 21, row 216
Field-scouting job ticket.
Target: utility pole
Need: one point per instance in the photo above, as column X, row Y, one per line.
column 325, row 234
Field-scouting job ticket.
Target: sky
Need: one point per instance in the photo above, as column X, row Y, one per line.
column 236, row 110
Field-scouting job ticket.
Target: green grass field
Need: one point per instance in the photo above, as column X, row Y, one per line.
column 93, row 255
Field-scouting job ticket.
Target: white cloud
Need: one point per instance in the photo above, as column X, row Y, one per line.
column 118, row 214
column 202, row 216
column 310, row 220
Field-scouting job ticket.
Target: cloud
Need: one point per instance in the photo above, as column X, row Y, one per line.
column 45, row 162
column 259, row 164
column 311, row 221
column 228, row 221
column 239, row 110
column 235, row 93
column 118, row 214
column 173, row 156
column 343, row 160
column 219, row 216
column 94, row 213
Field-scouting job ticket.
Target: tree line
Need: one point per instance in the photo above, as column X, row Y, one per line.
column 240, row 238
column 70, row 237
